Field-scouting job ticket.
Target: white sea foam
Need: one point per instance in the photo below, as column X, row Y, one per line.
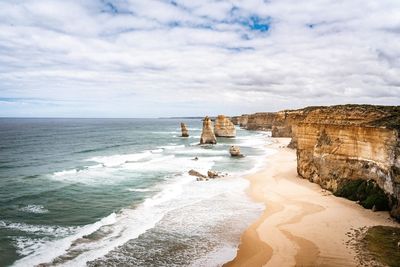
column 216, row 257
column 117, row 160
column 38, row 209
column 139, row 190
column 204, row 151
column 160, row 150
column 49, row 230
column 92, row 174
column 65, row 172
column 116, row 168
column 126, row 225
column 130, row 223
column 46, row 251
column 26, row 246
column 173, row 164
column 259, row 140
column 171, row 147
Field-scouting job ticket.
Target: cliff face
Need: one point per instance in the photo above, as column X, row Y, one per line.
column 279, row 123
column 260, row 121
column 207, row 134
column 240, row 120
column 284, row 122
column 224, row 127
column 342, row 145
column 339, row 144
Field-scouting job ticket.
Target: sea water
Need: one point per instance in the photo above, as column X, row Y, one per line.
column 116, row 192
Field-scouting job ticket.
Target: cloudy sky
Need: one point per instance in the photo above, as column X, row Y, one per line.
column 150, row 58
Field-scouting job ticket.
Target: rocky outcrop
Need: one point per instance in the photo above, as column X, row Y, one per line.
column 213, row 174
column 240, row 120
column 197, row 174
column 235, row 151
column 340, row 144
column 184, row 130
column 201, row 177
column 207, row 134
column 223, row 127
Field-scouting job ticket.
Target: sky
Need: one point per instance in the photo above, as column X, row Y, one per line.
column 156, row 58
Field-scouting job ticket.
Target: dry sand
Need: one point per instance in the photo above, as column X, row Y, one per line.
column 302, row 225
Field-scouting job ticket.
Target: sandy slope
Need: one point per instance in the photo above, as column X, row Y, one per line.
column 302, row 225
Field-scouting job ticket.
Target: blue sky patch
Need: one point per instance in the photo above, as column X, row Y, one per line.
column 256, row 23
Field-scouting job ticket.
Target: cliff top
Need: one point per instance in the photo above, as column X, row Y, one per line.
column 350, row 114
column 368, row 115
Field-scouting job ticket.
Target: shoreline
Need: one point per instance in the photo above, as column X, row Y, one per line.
column 302, row 224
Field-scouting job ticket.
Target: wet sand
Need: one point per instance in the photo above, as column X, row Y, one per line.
column 302, row 225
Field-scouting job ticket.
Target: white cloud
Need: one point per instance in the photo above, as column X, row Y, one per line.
column 154, row 58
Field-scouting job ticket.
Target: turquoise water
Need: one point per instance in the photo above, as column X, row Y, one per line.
column 112, row 192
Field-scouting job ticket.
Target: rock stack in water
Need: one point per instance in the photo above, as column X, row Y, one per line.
column 185, row 132
column 235, row 151
column 210, row 175
column 224, row 127
column 207, row 135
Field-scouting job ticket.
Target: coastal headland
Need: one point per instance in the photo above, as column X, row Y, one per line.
column 349, row 159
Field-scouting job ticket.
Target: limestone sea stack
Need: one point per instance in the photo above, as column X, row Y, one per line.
column 224, row 127
column 207, row 134
column 185, row 132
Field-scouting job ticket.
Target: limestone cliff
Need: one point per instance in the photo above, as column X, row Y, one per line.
column 223, row 127
column 279, row 123
column 344, row 143
column 240, row 120
column 260, row 121
column 284, row 122
column 207, row 134
column 340, row 144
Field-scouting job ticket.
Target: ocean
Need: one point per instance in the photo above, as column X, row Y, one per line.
column 116, row 192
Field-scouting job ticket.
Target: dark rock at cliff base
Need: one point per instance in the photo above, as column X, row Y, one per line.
column 368, row 193
column 395, row 212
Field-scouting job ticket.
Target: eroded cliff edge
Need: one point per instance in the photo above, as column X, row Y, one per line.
column 339, row 145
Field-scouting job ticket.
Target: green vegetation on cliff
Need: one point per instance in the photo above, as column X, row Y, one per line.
column 382, row 242
column 368, row 193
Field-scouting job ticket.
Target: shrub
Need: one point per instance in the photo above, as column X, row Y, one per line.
column 368, row 193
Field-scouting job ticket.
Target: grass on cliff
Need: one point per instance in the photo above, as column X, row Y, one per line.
column 382, row 242
column 368, row 193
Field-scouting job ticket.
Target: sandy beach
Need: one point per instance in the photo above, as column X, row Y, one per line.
column 302, row 225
